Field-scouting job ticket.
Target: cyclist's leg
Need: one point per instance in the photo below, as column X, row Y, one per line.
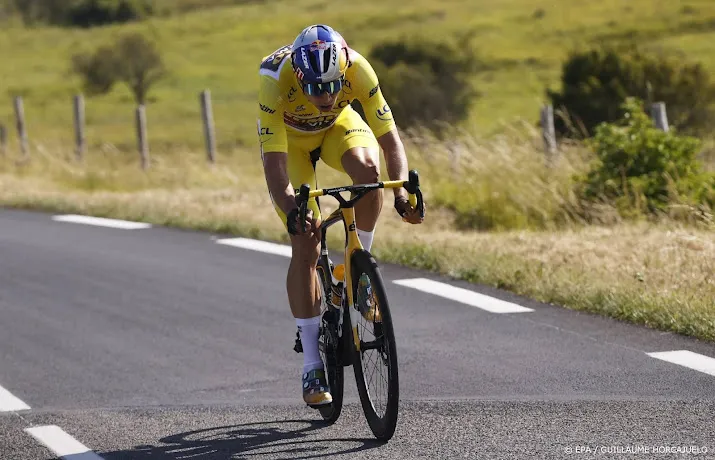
column 351, row 147
column 303, row 290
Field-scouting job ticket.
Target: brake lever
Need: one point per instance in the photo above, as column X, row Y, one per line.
column 302, row 202
column 415, row 194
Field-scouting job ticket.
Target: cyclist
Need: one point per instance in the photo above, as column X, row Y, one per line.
column 304, row 114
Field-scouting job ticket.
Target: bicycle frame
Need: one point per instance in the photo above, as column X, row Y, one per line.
column 346, row 213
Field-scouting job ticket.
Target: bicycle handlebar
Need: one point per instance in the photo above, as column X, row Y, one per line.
column 414, row 193
column 412, row 185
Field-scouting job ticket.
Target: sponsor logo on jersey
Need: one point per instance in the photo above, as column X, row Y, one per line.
column 374, row 90
column 300, row 108
column 264, row 134
column 316, row 123
column 357, row 130
column 344, row 103
column 266, row 109
column 291, row 94
column 384, row 113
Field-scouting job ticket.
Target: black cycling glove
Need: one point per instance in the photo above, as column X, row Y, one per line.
column 291, row 221
column 402, row 205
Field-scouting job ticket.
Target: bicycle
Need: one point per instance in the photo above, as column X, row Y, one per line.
column 358, row 295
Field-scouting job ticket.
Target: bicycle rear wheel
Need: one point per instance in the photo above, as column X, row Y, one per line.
column 329, row 345
column 375, row 364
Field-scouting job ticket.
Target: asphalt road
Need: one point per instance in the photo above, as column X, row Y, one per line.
column 159, row 343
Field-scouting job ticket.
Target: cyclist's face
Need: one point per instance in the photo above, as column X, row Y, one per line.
column 325, row 102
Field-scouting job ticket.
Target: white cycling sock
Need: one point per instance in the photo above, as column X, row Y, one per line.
column 366, row 238
column 309, row 329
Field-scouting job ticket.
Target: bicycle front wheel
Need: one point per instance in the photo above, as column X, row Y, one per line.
column 329, row 346
column 375, row 364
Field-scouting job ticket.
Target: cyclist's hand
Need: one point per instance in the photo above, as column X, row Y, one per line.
column 406, row 211
column 311, row 224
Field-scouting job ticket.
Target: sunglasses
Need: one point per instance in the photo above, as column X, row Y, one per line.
column 330, row 87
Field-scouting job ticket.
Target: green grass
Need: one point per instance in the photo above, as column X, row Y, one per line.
column 523, row 41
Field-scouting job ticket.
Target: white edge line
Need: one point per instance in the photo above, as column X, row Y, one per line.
column 101, row 221
column 10, row 403
column 475, row 299
column 61, row 443
column 258, row 245
column 687, row 359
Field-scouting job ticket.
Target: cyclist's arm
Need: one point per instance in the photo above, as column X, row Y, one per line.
column 395, row 158
column 274, row 144
column 379, row 118
column 282, row 192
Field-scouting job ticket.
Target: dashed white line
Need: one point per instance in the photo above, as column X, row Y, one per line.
column 101, row 222
column 10, row 403
column 688, row 359
column 466, row 296
column 257, row 245
column 61, row 443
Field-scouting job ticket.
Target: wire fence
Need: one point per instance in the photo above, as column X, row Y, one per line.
column 198, row 122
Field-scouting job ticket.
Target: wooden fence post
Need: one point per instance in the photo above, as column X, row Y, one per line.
column 142, row 136
column 3, row 140
column 79, row 126
column 659, row 116
column 21, row 129
column 548, row 132
column 209, row 129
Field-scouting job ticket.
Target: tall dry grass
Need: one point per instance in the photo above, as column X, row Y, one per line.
column 661, row 274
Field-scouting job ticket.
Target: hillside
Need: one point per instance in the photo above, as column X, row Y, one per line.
column 522, row 43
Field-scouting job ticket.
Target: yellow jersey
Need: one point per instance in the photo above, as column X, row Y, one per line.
column 285, row 111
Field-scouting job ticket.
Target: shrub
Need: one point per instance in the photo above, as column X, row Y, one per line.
column 81, row 13
column 132, row 60
column 596, row 83
column 90, row 13
column 97, row 70
column 645, row 170
column 425, row 83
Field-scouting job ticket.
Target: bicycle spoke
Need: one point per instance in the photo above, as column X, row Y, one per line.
column 375, row 361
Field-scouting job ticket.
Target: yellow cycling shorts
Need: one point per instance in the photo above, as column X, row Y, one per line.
column 348, row 131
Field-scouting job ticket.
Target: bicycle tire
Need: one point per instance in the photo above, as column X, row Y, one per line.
column 333, row 358
column 382, row 426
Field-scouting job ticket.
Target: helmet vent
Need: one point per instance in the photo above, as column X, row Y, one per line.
column 326, row 60
column 313, row 62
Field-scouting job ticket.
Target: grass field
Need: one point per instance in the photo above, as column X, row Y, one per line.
column 523, row 41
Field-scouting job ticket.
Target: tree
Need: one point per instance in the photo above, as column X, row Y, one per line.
column 132, row 60
column 138, row 64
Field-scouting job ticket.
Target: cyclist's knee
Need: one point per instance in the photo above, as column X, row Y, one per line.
column 362, row 165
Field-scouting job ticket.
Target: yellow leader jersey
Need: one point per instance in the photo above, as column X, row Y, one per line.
column 285, row 111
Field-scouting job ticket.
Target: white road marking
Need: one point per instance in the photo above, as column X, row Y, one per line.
column 466, row 296
column 10, row 403
column 257, row 245
column 62, row 444
column 688, row 359
column 101, row 221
